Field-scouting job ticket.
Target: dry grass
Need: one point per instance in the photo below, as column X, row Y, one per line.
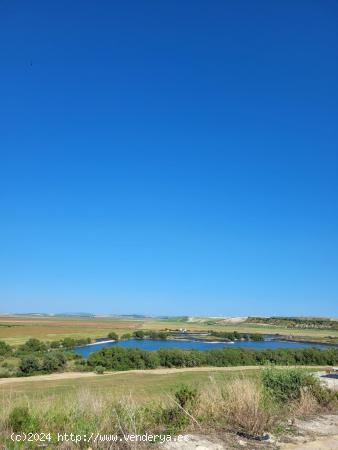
column 248, row 409
column 241, row 404
column 306, row 406
column 16, row 330
column 237, row 404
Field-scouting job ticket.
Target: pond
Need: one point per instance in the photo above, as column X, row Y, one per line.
column 150, row 344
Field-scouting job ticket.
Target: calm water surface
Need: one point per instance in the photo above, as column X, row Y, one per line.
column 147, row 344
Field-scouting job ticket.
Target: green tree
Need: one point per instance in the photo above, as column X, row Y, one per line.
column 33, row 345
column 113, row 335
column 139, row 334
column 126, row 336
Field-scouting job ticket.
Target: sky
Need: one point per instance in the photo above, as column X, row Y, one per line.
column 169, row 158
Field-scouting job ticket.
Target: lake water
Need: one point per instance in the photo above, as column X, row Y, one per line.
column 149, row 344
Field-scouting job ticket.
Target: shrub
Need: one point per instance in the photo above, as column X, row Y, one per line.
column 186, row 396
column 161, row 335
column 256, row 337
column 99, row 370
column 82, row 366
column 286, row 384
column 29, row 365
column 21, row 420
column 53, row 362
column 5, row 349
column 323, row 395
column 119, row 358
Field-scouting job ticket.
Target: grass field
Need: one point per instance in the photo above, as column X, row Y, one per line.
column 141, row 386
column 229, row 400
column 17, row 329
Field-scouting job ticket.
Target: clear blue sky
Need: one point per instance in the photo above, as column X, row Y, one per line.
column 174, row 157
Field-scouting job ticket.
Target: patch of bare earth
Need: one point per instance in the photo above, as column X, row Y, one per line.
column 226, row 442
column 319, row 433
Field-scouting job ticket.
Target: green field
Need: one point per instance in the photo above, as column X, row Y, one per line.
column 141, row 386
column 17, row 329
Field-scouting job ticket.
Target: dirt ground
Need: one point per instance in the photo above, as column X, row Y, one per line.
column 319, row 433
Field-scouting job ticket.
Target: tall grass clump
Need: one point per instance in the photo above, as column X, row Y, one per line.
column 247, row 408
column 239, row 404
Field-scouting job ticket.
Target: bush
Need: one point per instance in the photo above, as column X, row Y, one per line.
column 99, row 370
column 323, row 395
column 177, row 416
column 161, row 335
column 5, row 349
column 119, row 358
column 186, row 396
column 286, row 384
column 29, row 365
column 82, row 366
column 21, row 420
column 53, row 362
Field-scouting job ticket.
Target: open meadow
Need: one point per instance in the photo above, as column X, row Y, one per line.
column 141, row 385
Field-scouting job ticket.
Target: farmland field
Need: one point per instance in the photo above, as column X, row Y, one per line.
column 17, row 329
